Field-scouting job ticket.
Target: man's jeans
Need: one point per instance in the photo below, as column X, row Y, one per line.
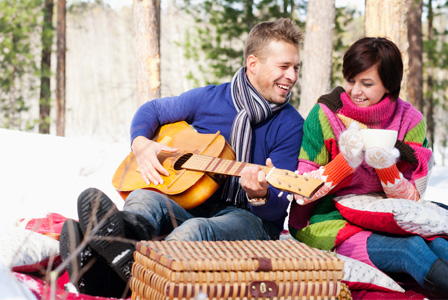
column 405, row 254
column 171, row 220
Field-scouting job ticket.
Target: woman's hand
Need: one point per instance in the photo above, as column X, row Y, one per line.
column 146, row 152
column 380, row 158
column 351, row 145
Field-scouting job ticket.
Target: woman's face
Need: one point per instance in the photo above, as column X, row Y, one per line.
column 366, row 88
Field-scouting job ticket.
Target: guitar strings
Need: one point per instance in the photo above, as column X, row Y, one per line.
column 270, row 172
column 230, row 167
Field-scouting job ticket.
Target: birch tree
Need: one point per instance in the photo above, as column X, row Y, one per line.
column 389, row 19
column 317, row 53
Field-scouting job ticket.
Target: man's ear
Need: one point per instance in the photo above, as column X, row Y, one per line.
column 251, row 63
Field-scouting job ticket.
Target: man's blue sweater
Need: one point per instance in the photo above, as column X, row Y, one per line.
column 210, row 109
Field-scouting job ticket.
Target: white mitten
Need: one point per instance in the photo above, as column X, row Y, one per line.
column 380, row 158
column 351, row 144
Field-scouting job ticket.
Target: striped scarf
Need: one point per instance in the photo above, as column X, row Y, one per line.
column 252, row 108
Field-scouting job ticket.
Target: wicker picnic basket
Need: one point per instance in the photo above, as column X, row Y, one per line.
column 284, row 269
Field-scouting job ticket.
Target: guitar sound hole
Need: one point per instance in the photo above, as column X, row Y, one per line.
column 183, row 159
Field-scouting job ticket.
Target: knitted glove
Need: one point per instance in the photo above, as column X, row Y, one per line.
column 351, row 144
column 380, row 158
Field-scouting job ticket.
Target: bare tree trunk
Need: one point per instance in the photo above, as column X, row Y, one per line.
column 429, row 103
column 415, row 88
column 45, row 68
column 317, row 53
column 389, row 19
column 60, row 69
column 147, row 32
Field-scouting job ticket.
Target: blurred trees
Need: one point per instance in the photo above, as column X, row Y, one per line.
column 317, row 53
column 215, row 44
column 217, row 40
column 214, row 48
column 19, row 68
column 435, row 72
column 45, row 67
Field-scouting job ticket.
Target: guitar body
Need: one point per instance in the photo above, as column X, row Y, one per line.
column 188, row 188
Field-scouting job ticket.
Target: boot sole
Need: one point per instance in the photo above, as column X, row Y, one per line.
column 71, row 237
column 94, row 208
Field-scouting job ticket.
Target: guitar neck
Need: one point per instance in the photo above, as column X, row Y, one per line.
column 216, row 165
column 279, row 178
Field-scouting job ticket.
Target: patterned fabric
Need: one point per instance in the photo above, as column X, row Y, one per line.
column 395, row 185
column 360, row 276
column 252, row 108
column 23, row 248
column 326, row 228
column 399, row 216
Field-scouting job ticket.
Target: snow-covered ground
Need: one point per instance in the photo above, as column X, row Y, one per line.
column 42, row 174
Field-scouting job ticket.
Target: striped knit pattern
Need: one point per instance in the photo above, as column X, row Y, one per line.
column 356, row 247
column 252, row 108
column 327, row 120
column 388, row 175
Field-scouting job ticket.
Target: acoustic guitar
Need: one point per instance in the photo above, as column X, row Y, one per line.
column 199, row 167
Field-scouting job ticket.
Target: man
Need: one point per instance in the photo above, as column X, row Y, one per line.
column 253, row 114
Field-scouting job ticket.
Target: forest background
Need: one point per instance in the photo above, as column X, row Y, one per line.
column 200, row 42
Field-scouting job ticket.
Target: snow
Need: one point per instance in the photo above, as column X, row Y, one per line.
column 43, row 174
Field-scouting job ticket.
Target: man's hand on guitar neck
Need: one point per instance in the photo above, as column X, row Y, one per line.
column 253, row 180
column 146, row 152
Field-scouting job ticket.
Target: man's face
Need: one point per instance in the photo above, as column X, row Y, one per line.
column 275, row 74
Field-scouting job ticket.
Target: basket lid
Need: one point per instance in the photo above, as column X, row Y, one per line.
column 239, row 255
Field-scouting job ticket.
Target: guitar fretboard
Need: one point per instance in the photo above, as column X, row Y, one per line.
column 214, row 165
column 282, row 179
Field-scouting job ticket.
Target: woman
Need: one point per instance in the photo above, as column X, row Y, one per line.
column 332, row 150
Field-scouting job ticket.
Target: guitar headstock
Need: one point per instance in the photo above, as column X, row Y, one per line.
column 292, row 182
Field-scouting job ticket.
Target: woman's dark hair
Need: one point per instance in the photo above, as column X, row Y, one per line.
column 370, row 51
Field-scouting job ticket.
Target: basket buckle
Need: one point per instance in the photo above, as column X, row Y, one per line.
column 263, row 288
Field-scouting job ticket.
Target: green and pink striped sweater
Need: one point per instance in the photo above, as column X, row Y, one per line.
column 319, row 224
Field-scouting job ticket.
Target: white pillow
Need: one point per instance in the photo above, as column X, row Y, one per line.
column 23, row 247
column 361, row 276
column 399, row 216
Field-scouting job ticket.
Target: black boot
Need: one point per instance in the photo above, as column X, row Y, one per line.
column 99, row 216
column 88, row 271
column 436, row 281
